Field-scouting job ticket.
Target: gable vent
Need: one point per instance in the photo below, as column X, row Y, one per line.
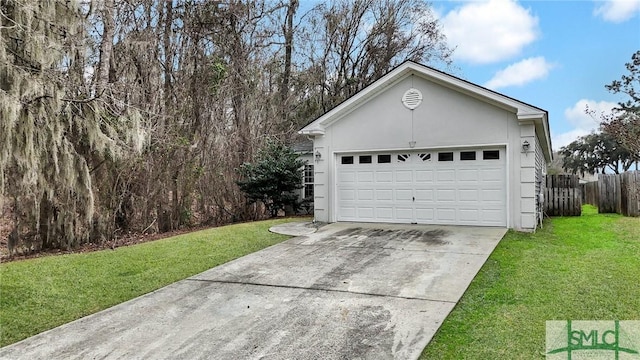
column 412, row 98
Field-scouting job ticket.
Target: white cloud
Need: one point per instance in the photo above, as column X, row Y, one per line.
column 578, row 117
column 520, row 73
column 582, row 122
column 489, row 31
column 617, row 11
column 567, row 138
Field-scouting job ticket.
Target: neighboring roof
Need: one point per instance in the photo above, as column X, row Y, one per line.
column 524, row 111
column 303, row 145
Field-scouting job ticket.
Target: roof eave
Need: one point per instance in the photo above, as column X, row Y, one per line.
column 524, row 111
column 541, row 122
column 311, row 131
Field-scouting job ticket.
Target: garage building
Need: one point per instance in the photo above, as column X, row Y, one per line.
column 421, row 146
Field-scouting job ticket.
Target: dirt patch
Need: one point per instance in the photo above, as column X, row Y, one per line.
column 435, row 237
column 130, row 239
column 127, row 240
column 347, row 232
column 5, row 227
column 378, row 237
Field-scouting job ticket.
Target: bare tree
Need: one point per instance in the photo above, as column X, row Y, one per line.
column 184, row 92
column 53, row 131
column 106, row 46
column 353, row 43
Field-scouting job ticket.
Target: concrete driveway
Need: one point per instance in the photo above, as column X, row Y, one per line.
column 348, row 291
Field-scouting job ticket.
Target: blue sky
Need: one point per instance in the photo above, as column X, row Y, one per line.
column 556, row 55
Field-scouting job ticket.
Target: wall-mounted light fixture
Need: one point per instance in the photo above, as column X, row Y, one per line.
column 525, row 146
column 318, row 155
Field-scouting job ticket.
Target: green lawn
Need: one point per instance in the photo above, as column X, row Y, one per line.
column 576, row 268
column 40, row 294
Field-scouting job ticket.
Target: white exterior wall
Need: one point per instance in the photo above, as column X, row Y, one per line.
column 527, row 177
column 322, row 168
column 445, row 119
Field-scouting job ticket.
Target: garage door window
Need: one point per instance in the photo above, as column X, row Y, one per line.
column 445, row 156
column 384, row 159
column 403, row 157
column 425, row 157
column 467, row 155
column 347, row 160
column 491, row 155
column 364, row 159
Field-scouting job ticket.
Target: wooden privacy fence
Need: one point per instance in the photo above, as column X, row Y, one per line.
column 562, row 196
column 630, row 193
column 615, row 193
column 608, row 193
column 590, row 193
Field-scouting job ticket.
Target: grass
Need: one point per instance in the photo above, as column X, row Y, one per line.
column 575, row 268
column 40, row 294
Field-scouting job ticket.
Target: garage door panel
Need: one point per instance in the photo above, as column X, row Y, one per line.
column 347, row 194
column 446, row 215
column 404, row 214
column 468, row 175
column 404, row 176
column 365, row 176
column 424, row 195
column 384, row 194
column 445, row 176
column 493, row 174
column 492, row 216
column 424, row 177
column 465, row 195
column 384, row 213
column 365, row 194
column 431, row 192
column 365, row 213
column 348, row 212
column 346, row 177
column 384, row 176
column 445, row 195
column 494, row 195
column 404, row 194
column 424, row 214
column 469, row 215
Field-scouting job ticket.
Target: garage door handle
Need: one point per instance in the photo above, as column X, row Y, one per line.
column 414, row 198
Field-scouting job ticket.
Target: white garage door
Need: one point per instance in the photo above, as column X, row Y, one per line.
column 462, row 187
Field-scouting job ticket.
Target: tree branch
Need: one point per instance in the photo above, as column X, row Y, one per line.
column 75, row 101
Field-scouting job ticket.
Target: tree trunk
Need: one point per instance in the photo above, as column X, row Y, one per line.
column 288, row 50
column 106, row 46
column 168, row 52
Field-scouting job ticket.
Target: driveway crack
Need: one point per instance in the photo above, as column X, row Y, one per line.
column 340, row 247
column 318, row 289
